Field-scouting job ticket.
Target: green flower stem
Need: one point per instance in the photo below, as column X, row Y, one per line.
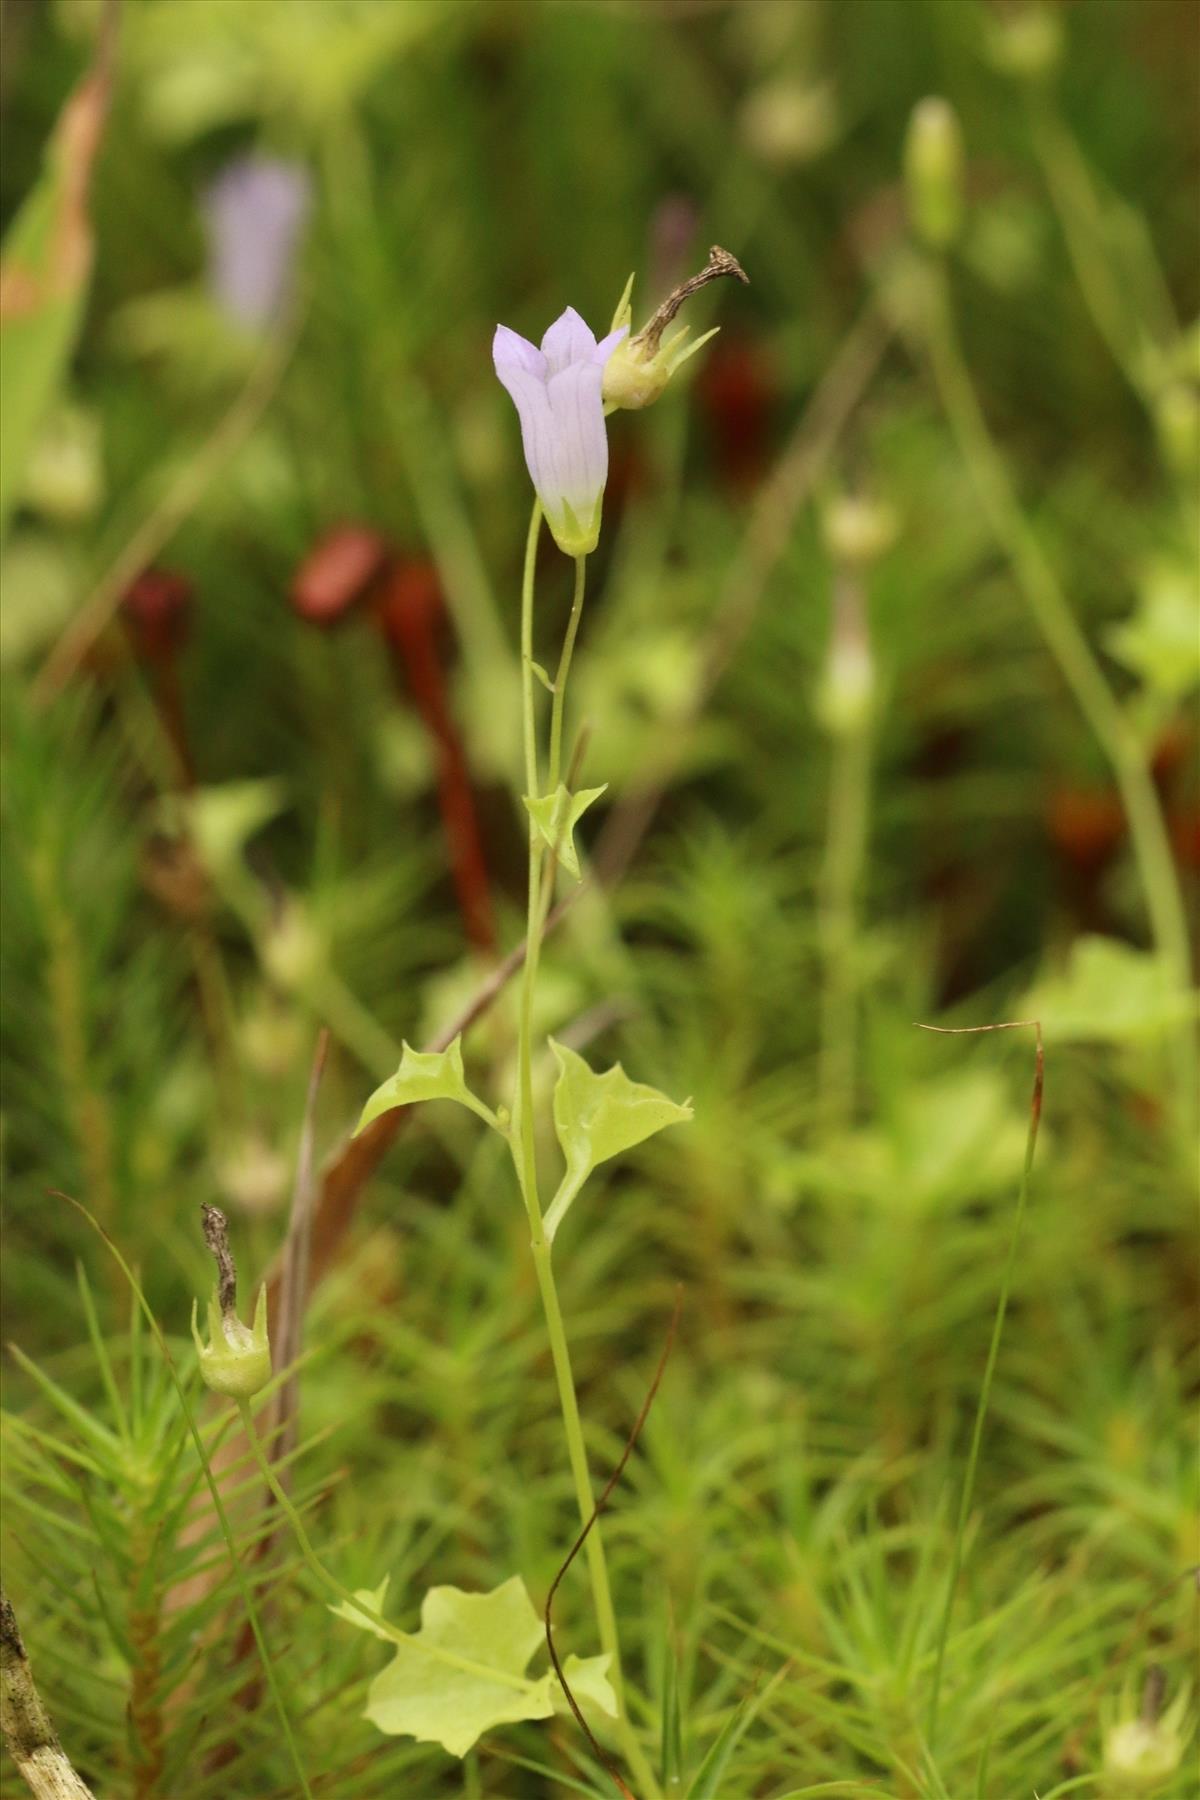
column 1135, row 318
column 330, row 1581
column 1077, row 665
column 529, row 728
column 560, row 679
column 524, row 1150
column 845, row 852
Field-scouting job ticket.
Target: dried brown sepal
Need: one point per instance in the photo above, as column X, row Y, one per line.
column 720, row 263
column 215, row 1226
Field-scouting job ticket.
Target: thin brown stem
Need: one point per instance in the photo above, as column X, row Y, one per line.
column 293, row 1286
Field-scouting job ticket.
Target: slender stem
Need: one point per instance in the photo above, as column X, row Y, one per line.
column 985, row 1393
column 560, row 679
column 845, row 849
column 529, row 729
column 1077, row 664
column 524, row 1150
column 1127, row 297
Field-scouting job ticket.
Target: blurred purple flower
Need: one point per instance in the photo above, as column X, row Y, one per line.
column 556, row 391
column 255, row 211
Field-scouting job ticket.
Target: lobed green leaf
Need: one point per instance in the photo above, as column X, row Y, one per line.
column 425, row 1075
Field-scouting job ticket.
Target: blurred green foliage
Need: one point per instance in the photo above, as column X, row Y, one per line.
column 217, row 843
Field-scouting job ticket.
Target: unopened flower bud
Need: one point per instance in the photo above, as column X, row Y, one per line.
column 934, row 165
column 858, row 530
column 237, row 1358
column 337, row 572
column 1026, row 44
column 640, row 367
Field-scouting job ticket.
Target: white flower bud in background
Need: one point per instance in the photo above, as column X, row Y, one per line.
column 934, row 173
column 1142, row 1752
column 1026, row 44
column 271, row 1037
column 846, row 694
column 64, row 478
column 293, row 951
column 858, row 529
column 253, row 1176
column 789, row 120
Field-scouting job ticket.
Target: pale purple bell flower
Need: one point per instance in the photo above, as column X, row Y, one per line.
column 556, row 391
column 255, row 211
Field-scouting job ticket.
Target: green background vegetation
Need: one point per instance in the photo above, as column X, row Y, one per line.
column 839, row 1211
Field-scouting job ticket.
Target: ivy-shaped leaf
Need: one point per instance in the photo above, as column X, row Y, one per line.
column 464, row 1671
column 372, row 1597
column 1110, row 993
column 598, row 1116
column 556, row 816
column 587, row 1678
column 426, row 1075
column 221, row 821
column 1160, row 642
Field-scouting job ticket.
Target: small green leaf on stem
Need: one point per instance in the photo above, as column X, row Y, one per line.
column 598, row 1116
column 426, row 1075
column 556, row 815
column 374, row 1599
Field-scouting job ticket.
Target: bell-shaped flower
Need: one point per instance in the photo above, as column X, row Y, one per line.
column 557, row 393
column 255, row 212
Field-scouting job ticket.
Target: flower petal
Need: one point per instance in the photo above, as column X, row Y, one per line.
column 569, row 340
column 579, row 433
column 538, row 434
column 255, row 212
column 511, row 351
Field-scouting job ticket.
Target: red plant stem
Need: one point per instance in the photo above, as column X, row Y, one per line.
column 164, row 681
column 410, row 630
